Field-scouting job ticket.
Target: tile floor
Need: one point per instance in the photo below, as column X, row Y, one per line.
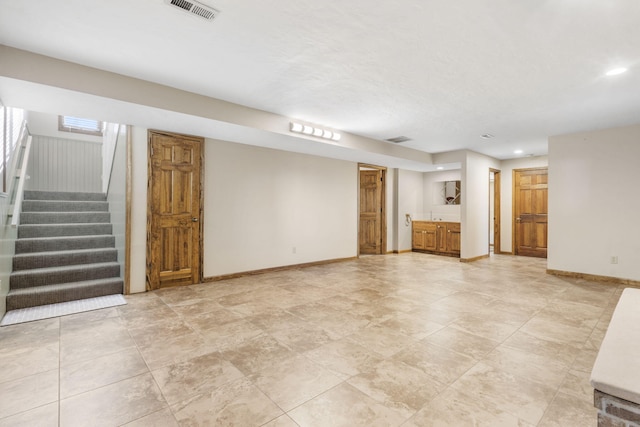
column 410, row 340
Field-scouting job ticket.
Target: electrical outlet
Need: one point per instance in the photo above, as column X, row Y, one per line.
column 293, row 250
column 614, row 259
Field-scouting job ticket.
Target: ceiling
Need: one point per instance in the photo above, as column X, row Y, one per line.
column 442, row 73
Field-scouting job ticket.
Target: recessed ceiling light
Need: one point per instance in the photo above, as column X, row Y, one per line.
column 518, row 152
column 486, row 136
column 616, row 71
column 440, row 168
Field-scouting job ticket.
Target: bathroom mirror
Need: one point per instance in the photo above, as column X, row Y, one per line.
column 446, row 193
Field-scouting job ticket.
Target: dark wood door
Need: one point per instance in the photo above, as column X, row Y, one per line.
column 531, row 211
column 370, row 229
column 174, row 210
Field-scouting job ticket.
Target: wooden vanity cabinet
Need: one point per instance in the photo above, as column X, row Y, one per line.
column 442, row 238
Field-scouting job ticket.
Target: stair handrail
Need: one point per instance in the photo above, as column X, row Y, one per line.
column 21, row 173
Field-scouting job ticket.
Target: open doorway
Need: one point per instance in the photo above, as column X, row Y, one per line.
column 372, row 218
column 494, row 211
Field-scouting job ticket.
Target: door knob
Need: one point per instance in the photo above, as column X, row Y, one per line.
column 194, row 219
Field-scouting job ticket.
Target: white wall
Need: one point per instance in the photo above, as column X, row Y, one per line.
column 474, row 239
column 506, row 195
column 433, row 210
column 58, row 164
column 138, row 267
column 593, row 202
column 410, row 201
column 392, row 211
column 260, row 204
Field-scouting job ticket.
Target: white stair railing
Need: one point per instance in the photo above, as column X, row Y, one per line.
column 18, row 174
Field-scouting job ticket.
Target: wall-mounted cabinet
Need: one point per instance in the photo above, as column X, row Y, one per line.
column 442, row 238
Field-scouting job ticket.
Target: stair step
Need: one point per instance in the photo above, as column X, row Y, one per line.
column 36, row 260
column 54, row 230
column 63, row 195
column 63, row 292
column 64, row 206
column 65, row 274
column 64, row 217
column 45, row 244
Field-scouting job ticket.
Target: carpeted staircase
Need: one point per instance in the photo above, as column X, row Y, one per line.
column 65, row 250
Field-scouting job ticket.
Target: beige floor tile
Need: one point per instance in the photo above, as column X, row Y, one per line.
column 115, row 404
column 28, row 393
column 521, row 397
column 228, row 336
column 397, row 385
column 85, row 376
column 281, row 421
column 344, row 357
column 412, row 325
column 342, row 324
column 546, row 371
column 175, row 350
column 462, row 342
column 239, row 403
column 569, row 411
column 302, row 338
column 42, row 331
column 561, row 352
column 194, row 376
column 294, row 381
column 210, row 320
column 195, row 306
column 17, row 361
column 145, row 335
column 43, row 416
column 162, row 418
column 585, row 360
column 77, row 349
column 382, row 340
column 441, row 364
column 577, row 384
column 487, row 328
column 257, row 354
column 346, row 406
column 454, row 408
column 551, row 330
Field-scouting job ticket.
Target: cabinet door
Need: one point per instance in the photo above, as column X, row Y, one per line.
column 430, row 238
column 418, row 239
column 453, row 238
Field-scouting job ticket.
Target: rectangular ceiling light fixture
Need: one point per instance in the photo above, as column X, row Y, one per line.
column 194, row 8
column 314, row 131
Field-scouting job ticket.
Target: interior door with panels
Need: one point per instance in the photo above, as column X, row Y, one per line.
column 174, row 243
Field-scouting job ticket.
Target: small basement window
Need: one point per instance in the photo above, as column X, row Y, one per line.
column 78, row 125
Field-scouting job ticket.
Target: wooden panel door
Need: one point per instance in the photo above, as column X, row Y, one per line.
column 530, row 210
column 370, row 229
column 174, row 210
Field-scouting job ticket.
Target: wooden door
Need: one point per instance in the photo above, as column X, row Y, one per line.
column 530, row 211
column 371, row 211
column 174, row 210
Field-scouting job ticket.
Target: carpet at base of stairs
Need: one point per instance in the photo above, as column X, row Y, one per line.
column 31, row 314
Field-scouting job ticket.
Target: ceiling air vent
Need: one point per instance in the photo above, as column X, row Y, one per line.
column 399, row 139
column 195, row 8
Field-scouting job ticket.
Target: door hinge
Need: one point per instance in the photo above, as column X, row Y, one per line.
column 152, row 151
